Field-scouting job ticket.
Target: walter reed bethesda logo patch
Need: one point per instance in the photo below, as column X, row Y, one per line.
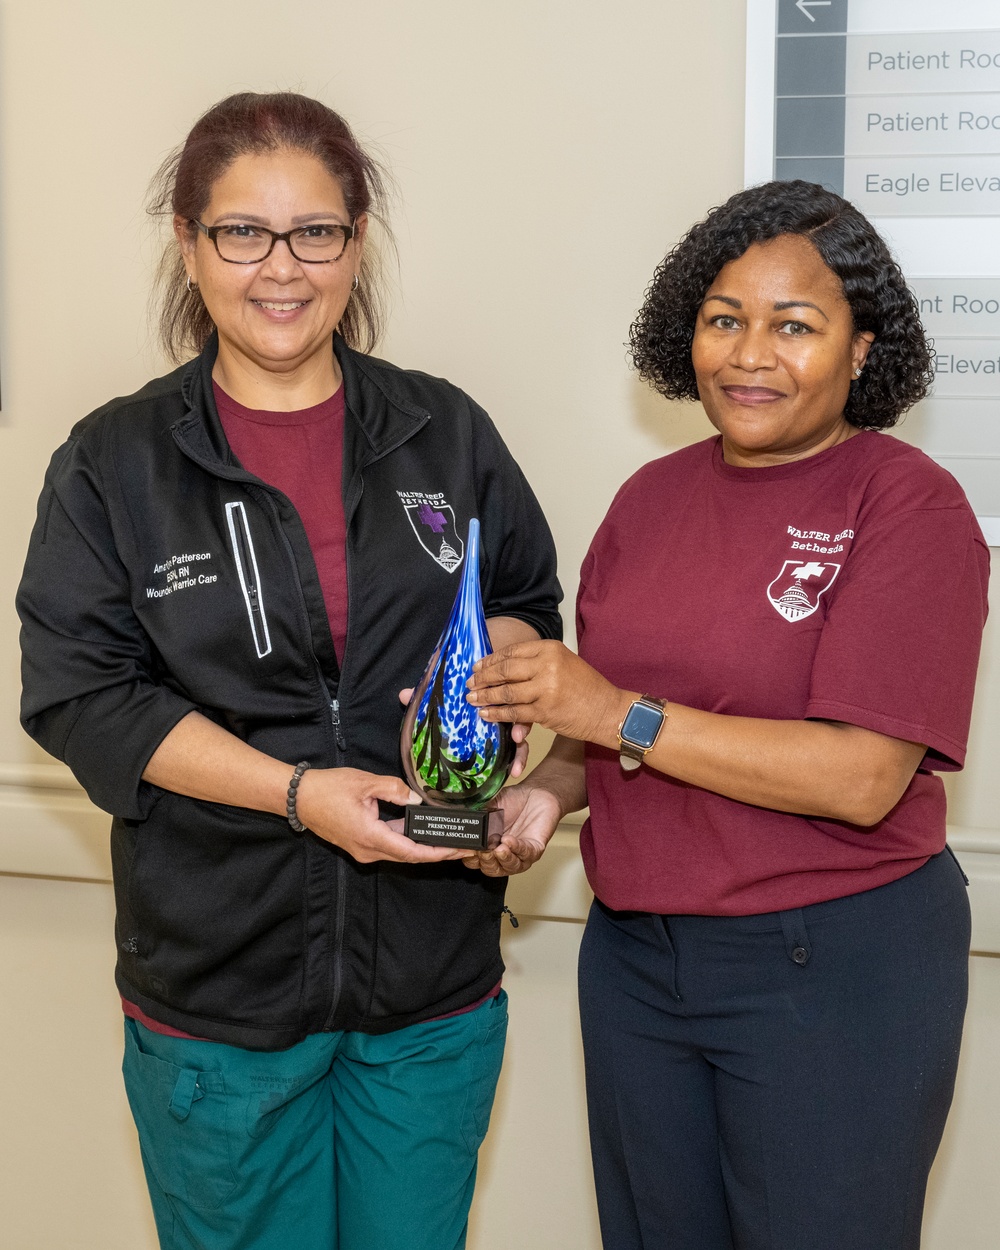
column 433, row 522
column 795, row 592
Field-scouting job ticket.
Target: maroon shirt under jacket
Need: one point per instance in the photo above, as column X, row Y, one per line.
column 302, row 453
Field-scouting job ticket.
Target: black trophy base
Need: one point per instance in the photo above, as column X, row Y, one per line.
column 454, row 826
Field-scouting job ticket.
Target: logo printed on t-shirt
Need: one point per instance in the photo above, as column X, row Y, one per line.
column 433, row 522
column 796, row 591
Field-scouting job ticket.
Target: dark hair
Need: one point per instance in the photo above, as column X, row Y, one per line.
column 899, row 367
column 254, row 123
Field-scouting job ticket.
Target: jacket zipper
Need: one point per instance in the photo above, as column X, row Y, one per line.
column 335, row 717
column 249, row 575
column 338, row 956
column 333, row 704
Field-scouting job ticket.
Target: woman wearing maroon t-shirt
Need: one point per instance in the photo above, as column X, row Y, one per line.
column 779, row 630
column 234, row 573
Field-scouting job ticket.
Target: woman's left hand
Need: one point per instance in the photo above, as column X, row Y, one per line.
column 530, row 818
column 545, row 683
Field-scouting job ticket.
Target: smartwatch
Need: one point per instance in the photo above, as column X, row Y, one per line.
column 638, row 731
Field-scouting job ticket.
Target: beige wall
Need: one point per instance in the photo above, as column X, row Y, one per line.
column 547, row 152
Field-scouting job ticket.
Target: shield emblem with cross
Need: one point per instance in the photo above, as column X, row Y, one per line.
column 433, row 522
column 796, row 591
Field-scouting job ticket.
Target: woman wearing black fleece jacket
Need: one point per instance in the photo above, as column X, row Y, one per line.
column 314, row 1025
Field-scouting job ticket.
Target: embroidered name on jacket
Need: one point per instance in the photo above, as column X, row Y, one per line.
column 180, row 572
column 433, row 521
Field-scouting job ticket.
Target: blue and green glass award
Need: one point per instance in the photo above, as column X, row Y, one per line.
column 454, row 760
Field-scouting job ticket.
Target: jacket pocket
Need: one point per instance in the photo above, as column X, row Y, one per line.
column 215, row 900
column 249, row 575
column 438, row 937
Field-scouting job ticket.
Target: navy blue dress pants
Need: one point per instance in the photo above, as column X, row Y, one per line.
column 779, row 1081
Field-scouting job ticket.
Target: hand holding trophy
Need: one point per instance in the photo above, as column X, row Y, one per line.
column 452, row 757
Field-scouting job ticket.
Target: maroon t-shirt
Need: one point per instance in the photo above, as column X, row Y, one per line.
column 849, row 586
column 302, row 453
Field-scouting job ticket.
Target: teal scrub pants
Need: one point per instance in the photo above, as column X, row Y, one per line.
column 343, row 1142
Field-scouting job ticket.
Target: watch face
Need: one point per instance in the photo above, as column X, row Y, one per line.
column 642, row 725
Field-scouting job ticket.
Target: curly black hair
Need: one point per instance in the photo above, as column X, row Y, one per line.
column 899, row 368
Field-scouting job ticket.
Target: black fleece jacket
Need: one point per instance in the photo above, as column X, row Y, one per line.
column 163, row 578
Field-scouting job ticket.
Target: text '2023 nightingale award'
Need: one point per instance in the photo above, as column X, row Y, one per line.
column 451, row 757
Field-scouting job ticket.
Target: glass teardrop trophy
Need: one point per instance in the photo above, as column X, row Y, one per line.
column 453, row 759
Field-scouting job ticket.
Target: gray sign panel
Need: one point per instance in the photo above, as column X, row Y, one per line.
column 959, row 307
column 967, row 367
column 945, row 425
column 968, row 62
column 811, row 17
column 809, row 126
column 811, row 66
column 924, row 186
column 966, row 124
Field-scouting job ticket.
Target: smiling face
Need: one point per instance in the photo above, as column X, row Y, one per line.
column 277, row 316
column 774, row 353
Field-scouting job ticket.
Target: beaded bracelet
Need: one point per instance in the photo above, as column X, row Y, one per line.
column 293, row 786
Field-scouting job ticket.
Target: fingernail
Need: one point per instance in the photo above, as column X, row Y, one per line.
column 414, row 798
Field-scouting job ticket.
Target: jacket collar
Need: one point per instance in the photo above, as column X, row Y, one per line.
column 385, row 414
column 200, row 429
column 382, row 412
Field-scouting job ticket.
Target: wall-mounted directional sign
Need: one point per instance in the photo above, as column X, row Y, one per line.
column 896, row 105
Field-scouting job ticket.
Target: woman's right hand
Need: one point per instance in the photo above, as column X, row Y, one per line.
column 544, row 683
column 340, row 805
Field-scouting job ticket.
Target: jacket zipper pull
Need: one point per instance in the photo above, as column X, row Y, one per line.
column 514, row 922
column 335, row 718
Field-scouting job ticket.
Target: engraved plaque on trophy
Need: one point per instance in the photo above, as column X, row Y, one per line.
column 451, row 757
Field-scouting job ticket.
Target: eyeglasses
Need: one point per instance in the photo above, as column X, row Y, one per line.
column 243, row 244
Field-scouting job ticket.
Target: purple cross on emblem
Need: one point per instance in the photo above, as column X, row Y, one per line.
column 435, row 520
